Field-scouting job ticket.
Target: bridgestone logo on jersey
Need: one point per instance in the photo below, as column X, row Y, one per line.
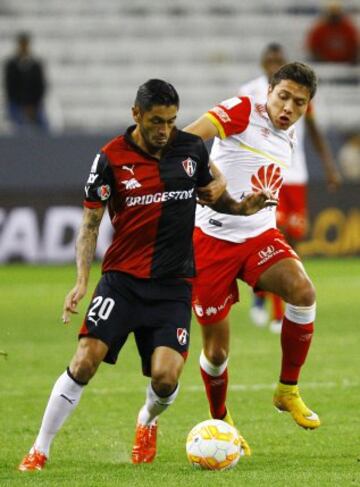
column 148, row 199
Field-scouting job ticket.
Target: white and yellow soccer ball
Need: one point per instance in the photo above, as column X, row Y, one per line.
column 213, row 445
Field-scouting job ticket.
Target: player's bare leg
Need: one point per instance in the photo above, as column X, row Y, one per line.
column 166, row 367
column 214, row 371
column 288, row 279
column 64, row 398
column 277, row 311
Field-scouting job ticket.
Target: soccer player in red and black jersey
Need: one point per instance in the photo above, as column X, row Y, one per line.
column 150, row 179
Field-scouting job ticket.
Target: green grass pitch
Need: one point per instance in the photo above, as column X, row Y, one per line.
column 93, row 447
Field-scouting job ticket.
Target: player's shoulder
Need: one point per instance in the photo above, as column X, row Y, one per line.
column 234, row 107
column 118, row 150
column 183, row 137
column 115, row 144
column 235, row 101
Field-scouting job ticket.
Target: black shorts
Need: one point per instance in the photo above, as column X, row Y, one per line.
column 158, row 311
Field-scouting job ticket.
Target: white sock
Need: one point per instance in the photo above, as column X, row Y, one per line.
column 155, row 405
column 211, row 369
column 63, row 399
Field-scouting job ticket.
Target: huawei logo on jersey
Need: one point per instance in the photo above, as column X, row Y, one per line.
column 268, row 178
column 190, row 166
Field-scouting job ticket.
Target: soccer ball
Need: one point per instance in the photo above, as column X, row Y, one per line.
column 213, row 445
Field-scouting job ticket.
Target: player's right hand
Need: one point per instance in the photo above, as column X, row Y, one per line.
column 71, row 301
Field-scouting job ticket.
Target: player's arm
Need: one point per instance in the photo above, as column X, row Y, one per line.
column 203, row 127
column 332, row 175
column 229, row 117
column 85, row 252
column 252, row 203
column 209, row 194
column 98, row 190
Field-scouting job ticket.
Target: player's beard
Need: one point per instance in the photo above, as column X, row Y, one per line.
column 151, row 146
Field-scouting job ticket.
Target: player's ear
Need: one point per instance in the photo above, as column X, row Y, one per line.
column 136, row 113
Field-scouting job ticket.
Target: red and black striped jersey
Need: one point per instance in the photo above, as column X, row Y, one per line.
column 151, row 203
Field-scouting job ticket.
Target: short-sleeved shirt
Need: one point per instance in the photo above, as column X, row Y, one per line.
column 252, row 154
column 151, row 203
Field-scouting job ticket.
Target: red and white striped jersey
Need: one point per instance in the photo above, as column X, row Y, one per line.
column 252, row 154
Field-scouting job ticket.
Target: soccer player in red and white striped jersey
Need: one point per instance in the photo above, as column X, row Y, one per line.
column 253, row 148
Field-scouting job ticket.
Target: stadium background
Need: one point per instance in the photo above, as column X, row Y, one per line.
column 96, row 54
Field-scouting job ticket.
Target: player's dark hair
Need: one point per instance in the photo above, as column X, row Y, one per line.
column 156, row 92
column 23, row 36
column 298, row 72
column 272, row 47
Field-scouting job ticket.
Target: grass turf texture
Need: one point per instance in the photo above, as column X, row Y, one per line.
column 93, row 447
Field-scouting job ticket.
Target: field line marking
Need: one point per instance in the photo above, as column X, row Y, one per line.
column 244, row 387
column 344, row 384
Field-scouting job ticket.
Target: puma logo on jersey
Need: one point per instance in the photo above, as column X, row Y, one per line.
column 131, row 183
column 129, row 168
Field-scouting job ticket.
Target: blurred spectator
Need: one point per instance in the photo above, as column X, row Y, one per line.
column 349, row 158
column 25, row 86
column 334, row 38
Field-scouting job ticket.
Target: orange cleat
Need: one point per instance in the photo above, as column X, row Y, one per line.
column 144, row 449
column 34, row 460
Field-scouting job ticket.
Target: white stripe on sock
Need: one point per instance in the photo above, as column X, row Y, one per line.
column 211, row 369
column 301, row 315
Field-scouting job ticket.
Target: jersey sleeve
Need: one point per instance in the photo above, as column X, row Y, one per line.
column 204, row 175
column 99, row 185
column 231, row 116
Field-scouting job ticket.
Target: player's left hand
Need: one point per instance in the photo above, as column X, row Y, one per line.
column 255, row 202
column 71, row 301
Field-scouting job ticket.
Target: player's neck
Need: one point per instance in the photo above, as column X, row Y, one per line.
column 144, row 146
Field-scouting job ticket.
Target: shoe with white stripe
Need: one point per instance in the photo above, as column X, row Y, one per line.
column 287, row 398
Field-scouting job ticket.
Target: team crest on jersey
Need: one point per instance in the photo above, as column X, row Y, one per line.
column 182, row 335
column 190, row 166
column 104, row 192
column 268, row 178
